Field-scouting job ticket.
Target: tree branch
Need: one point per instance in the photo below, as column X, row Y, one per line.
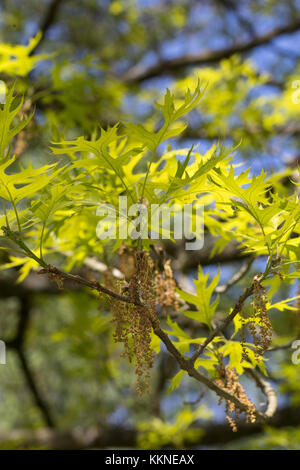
column 122, row 437
column 58, row 274
column 184, row 261
column 39, row 401
column 267, row 390
column 236, row 277
column 185, row 364
column 140, row 73
column 48, row 20
column 238, row 307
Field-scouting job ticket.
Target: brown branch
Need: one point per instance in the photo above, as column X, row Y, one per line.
column 188, row 366
column 140, row 73
column 55, row 272
column 238, row 307
column 185, row 364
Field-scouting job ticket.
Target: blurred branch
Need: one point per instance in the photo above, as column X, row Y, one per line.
column 166, row 368
column 140, row 73
column 48, row 20
column 233, row 6
column 184, row 260
column 17, row 344
column 122, row 437
column 32, row 385
column 195, row 402
column 267, row 390
column 236, row 277
column 290, row 129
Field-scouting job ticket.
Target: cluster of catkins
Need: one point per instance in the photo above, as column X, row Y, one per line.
column 134, row 321
column 258, row 323
column 147, row 287
column 162, row 281
column 228, row 380
column 165, row 287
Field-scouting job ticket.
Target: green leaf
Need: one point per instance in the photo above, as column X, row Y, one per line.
column 7, row 115
column 202, row 299
column 26, row 183
column 175, row 381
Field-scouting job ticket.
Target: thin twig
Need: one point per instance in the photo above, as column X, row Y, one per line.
column 267, row 390
column 48, row 269
column 195, row 402
column 85, row 282
column 187, row 365
column 238, row 307
column 235, row 278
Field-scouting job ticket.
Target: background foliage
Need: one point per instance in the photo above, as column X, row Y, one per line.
column 83, row 67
